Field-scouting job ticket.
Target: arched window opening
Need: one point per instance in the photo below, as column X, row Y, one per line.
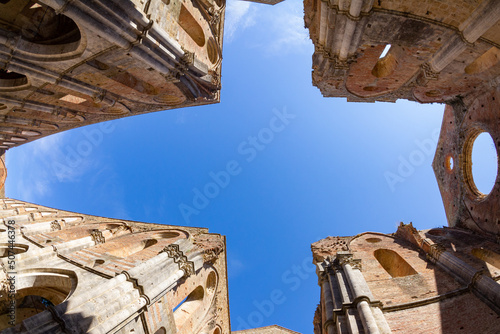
column 133, row 248
column 12, row 80
column 7, row 250
column 42, row 25
column 161, row 330
column 45, row 34
column 179, row 305
column 385, row 51
column 191, row 26
column 211, row 283
column 387, row 62
column 393, row 263
column 187, row 308
column 36, row 291
column 487, row 256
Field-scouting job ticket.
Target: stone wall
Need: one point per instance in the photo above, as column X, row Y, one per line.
column 443, row 280
column 85, row 274
column 65, row 64
column 436, row 51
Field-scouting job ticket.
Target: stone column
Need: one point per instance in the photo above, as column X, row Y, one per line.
column 369, row 323
column 487, row 289
column 347, row 297
column 481, row 20
column 327, row 300
column 362, row 296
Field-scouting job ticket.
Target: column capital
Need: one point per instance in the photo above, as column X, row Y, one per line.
column 178, row 256
column 97, row 236
column 344, row 258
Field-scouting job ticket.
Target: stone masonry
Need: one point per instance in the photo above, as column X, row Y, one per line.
column 65, row 64
column 443, row 280
column 437, row 281
column 76, row 273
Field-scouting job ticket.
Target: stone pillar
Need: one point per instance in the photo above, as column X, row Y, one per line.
column 362, row 296
column 346, row 297
column 335, row 47
column 481, row 20
column 369, row 323
column 327, row 300
column 487, row 289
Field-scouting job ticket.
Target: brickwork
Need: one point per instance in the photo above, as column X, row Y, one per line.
column 436, row 51
column 430, row 281
column 118, row 61
column 418, row 289
column 464, row 205
column 446, row 317
column 111, row 276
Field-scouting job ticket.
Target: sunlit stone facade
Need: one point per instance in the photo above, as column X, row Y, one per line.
column 75, row 273
column 442, row 280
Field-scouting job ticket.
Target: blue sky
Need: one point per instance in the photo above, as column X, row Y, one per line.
column 278, row 167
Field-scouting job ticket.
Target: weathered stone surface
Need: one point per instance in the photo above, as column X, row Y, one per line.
column 422, row 279
column 328, row 246
column 438, row 51
column 101, row 275
column 65, row 64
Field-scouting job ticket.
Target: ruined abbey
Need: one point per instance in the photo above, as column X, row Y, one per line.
column 438, row 51
column 66, row 64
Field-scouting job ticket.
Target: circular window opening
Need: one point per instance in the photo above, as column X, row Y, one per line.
column 484, row 161
column 373, row 240
column 449, row 163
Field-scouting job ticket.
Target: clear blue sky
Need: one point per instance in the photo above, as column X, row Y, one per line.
column 297, row 167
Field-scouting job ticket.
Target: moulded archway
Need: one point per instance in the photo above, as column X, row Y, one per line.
column 36, row 291
column 12, row 81
column 45, row 34
column 7, row 250
column 188, row 307
column 487, row 256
